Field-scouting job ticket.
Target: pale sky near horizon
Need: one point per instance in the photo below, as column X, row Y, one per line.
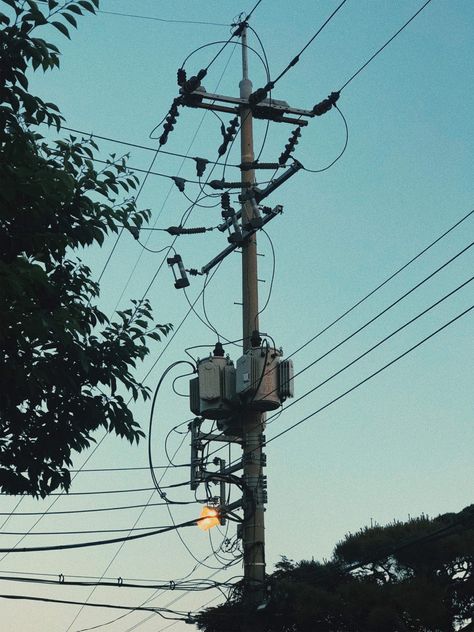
column 402, row 443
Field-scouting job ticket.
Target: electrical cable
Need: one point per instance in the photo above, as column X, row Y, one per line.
column 136, row 145
column 91, row 493
column 272, row 278
column 194, row 586
column 377, row 316
column 154, row 18
column 93, row 605
column 82, row 545
column 196, row 50
column 84, row 532
column 372, row 375
column 339, row 156
column 159, row 489
column 182, row 221
column 375, row 346
column 261, row 93
column 44, row 513
column 383, row 283
column 384, row 46
column 296, row 59
column 82, row 511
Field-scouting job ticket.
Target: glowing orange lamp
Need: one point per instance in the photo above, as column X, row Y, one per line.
column 209, row 518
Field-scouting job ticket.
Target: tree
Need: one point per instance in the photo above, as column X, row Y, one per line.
column 65, row 369
column 406, row 577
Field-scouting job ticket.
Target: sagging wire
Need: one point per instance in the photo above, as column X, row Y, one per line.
column 339, row 156
column 160, row 491
column 272, row 277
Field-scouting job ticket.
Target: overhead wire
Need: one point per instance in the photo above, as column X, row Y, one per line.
column 375, row 346
column 372, row 375
column 94, row 605
column 43, row 514
column 341, row 153
column 135, row 145
column 380, row 314
column 82, row 545
column 383, row 283
column 377, row 52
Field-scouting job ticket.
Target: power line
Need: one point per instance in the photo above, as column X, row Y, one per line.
column 82, row 511
column 154, row 18
column 95, row 605
column 82, row 532
column 372, row 375
column 379, row 314
column 296, row 59
column 94, row 493
column 261, row 93
column 377, row 52
column 375, row 346
column 135, row 145
column 82, row 545
column 341, row 153
column 383, row 283
column 190, row 586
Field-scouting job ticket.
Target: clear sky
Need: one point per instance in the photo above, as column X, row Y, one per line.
column 399, row 445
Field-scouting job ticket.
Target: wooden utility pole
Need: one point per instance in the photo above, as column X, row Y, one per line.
column 253, row 536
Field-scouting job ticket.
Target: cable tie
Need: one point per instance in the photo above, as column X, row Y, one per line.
column 119, row 581
column 61, row 578
column 172, row 584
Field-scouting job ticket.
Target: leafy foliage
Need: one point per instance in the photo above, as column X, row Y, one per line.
column 64, row 368
column 416, row 576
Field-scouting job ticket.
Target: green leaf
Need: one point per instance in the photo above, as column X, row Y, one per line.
column 52, row 4
column 74, row 9
column 88, row 6
column 61, row 28
column 72, row 20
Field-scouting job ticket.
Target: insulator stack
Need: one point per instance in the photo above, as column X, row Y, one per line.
column 225, row 201
column 181, row 230
column 181, row 76
column 221, row 184
column 179, row 182
column 290, row 146
column 260, row 94
column 170, row 121
column 326, row 104
column 201, row 164
column 194, row 82
column 228, row 135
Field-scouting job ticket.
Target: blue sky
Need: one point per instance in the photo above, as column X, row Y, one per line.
column 399, row 445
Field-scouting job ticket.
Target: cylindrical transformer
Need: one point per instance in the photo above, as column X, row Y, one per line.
column 257, row 378
column 216, row 378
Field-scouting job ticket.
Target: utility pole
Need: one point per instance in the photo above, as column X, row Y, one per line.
column 253, row 535
column 238, row 397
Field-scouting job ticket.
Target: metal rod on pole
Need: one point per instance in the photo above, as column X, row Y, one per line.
column 253, row 535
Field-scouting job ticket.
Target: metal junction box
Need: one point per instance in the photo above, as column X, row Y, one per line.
column 257, row 378
column 212, row 392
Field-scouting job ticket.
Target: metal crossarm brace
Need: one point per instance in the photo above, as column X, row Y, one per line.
column 268, row 109
column 245, row 235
